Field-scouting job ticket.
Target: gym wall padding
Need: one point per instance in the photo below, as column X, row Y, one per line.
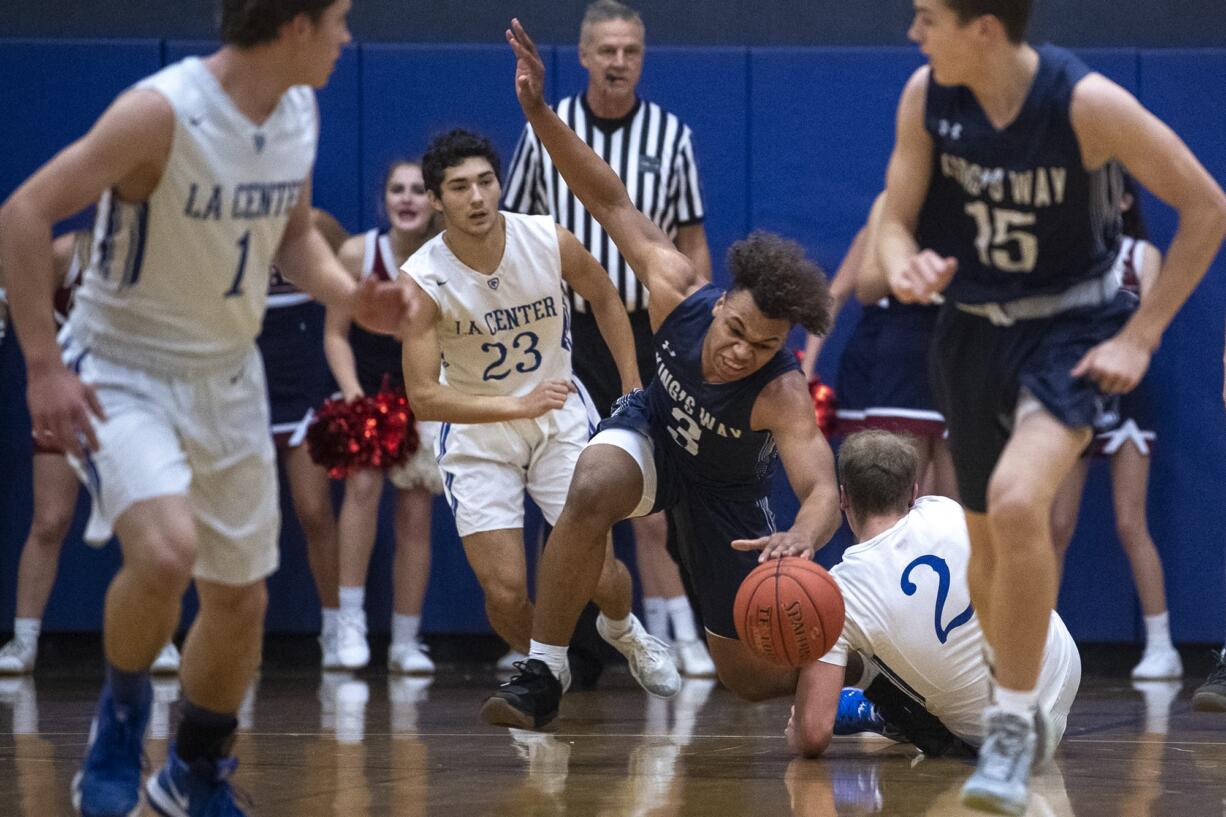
column 790, row 139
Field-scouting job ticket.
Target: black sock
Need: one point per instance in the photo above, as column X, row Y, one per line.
column 204, row 734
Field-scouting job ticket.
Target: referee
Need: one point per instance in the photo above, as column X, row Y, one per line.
column 652, row 151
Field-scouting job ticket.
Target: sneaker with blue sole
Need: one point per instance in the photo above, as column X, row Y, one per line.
column 199, row 789
column 856, row 714
column 108, row 784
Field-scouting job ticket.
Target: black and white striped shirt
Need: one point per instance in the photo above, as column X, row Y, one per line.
column 650, row 150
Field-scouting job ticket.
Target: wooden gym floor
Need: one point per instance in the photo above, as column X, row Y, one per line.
column 341, row 745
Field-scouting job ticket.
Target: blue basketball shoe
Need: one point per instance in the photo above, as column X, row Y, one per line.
column 201, row 789
column 857, row 714
column 108, row 784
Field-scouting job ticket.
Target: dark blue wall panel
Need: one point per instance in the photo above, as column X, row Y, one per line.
column 789, row 139
column 414, row 92
column 1184, row 88
column 52, row 92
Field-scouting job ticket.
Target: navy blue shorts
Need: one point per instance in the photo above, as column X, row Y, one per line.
column 900, row 399
column 1125, row 418
column 979, row 370
column 853, row 388
column 705, row 523
column 292, row 346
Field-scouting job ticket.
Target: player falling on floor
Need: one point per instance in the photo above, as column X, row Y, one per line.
column 909, row 623
column 487, row 352
column 202, row 174
column 1003, row 194
column 701, row 441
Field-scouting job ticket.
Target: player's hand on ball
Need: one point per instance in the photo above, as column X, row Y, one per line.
column 924, row 278
column 60, row 409
column 529, row 68
column 546, row 397
column 778, row 545
column 1116, row 365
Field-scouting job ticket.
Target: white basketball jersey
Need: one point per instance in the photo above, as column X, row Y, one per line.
column 180, row 281
column 908, row 610
column 506, row 332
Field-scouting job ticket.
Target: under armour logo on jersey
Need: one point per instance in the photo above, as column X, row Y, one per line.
column 493, row 282
column 951, row 129
column 666, row 348
column 259, row 143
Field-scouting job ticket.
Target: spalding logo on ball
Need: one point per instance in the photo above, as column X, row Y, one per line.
column 789, row 611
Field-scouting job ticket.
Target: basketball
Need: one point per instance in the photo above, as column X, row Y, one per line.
column 789, row 611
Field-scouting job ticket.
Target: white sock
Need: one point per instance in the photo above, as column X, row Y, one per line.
column 27, row 629
column 329, row 614
column 1158, row 632
column 655, row 616
column 1017, row 702
column 353, row 599
column 682, row 617
column 553, row 656
column 405, row 628
column 616, row 629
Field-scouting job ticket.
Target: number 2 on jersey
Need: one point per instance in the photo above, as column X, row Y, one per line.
column 939, row 567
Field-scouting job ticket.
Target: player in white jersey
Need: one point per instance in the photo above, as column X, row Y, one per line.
column 909, row 619
column 487, row 353
column 203, row 170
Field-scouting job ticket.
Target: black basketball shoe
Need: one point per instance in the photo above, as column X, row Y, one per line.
column 528, row 701
column 1211, row 695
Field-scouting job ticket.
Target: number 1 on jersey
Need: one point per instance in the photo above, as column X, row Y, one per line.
column 236, row 288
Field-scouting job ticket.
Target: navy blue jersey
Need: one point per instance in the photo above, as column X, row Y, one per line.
column 704, row 427
column 1015, row 206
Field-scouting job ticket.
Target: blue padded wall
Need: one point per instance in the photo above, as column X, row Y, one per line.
column 52, row 92
column 1183, row 88
column 789, row 139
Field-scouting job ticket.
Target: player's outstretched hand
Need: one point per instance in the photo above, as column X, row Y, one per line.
column 60, row 408
column 546, row 397
column 529, row 68
column 924, row 278
column 1116, row 365
column 778, row 545
column 380, row 306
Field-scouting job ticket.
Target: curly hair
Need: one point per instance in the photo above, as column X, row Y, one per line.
column 784, row 283
column 450, row 149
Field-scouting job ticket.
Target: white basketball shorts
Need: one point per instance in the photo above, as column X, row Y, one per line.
column 488, row 467
column 204, row 437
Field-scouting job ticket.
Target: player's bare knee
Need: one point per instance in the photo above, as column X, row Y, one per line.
column 166, row 563
column 1015, row 510
column 593, row 503
column 237, row 607
column 48, row 528
column 505, row 597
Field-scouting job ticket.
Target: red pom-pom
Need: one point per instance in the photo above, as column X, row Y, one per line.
column 825, row 407
column 368, row 432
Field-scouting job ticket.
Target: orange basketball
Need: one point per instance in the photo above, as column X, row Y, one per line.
column 789, row 611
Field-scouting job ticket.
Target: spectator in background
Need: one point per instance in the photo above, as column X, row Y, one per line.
column 362, row 362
